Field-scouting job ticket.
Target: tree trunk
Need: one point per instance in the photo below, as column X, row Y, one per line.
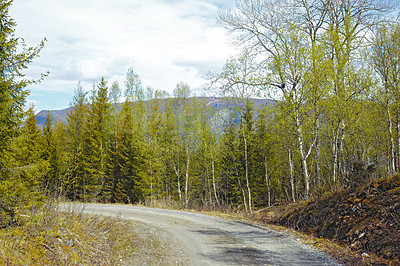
column 267, row 181
column 341, row 167
column 303, row 156
column 392, row 162
column 291, row 176
column 209, row 191
column 213, row 181
column 318, row 157
column 179, row 191
column 187, row 178
column 177, row 173
column 247, row 169
column 398, row 139
column 244, row 195
column 335, row 152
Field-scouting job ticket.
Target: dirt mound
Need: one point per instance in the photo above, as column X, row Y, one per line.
column 367, row 218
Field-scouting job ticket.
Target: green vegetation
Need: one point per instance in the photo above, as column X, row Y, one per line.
column 334, row 122
column 20, row 165
column 332, row 68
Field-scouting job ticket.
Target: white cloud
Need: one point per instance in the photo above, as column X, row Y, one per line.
column 30, row 103
column 165, row 41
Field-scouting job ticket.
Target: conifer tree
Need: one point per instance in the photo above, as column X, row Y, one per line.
column 50, row 181
column 97, row 141
column 131, row 141
column 114, row 175
column 233, row 191
column 76, row 131
column 13, row 93
column 152, row 155
column 21, row 188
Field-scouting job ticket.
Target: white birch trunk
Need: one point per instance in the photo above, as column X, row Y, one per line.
column 177, row 173
column 303, row 156
column 335, row 153
column 267, row 181
column 392, row 159
column 213, row 181
column 291, row 176
column 187, row 178
column 247, row 170
column 398, row 141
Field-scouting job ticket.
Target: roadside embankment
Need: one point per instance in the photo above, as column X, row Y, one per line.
column 365, row 219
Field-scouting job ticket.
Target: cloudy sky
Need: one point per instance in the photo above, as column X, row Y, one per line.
column 164, row 41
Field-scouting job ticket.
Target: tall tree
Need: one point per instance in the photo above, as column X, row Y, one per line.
column 76, row 131
column 15, row 58
column 50, row 181
column 385, row 59
column 236, row 83
column 131, row 133
column 289, row 41
column 114, row 175
column 97, row 141
column 185, row 134
column 273, row 38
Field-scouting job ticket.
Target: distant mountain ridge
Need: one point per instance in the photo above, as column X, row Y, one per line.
column 216, row 103
column 59, row 115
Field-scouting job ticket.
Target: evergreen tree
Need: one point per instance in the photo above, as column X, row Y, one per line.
column 21, row 189
column 76, row 131
column 233, row 189
column 152, row 155
column 97, row 142
column 114, row 175
column 50, row 181
column 13, row 93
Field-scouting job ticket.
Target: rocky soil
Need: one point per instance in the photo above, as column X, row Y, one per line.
column 366, row 219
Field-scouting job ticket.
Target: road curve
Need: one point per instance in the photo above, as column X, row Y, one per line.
column 209, row 240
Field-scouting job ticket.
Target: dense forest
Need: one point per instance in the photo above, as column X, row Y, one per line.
column 330, row 68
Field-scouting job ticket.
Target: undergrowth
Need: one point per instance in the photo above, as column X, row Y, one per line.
column 48, row 236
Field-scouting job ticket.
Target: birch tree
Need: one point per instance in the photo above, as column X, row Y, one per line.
column 289, row 41
column 385, row 59
column 281, row 52
column 235, row 82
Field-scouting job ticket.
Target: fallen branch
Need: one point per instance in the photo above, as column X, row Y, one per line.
column 266, row 208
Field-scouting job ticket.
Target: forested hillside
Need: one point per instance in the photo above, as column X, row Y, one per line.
column 216, row 104
column 331, row 69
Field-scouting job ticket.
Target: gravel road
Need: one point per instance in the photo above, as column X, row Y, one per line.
column 184, row 238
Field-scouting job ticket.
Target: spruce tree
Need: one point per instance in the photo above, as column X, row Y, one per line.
column 13, row 93
column 50, row 154
column 97, row 141
column 75, row 136
column 113, row 168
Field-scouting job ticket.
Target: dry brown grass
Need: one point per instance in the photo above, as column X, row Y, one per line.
column 48, row 236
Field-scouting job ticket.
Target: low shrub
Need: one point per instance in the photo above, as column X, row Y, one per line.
column 48, row 236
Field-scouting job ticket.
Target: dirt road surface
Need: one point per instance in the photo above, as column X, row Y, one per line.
column 184, row 238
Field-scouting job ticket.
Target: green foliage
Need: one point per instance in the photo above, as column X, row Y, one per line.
column 18, row 177
column 96, row 141
column 75, row 136
column 334, row 121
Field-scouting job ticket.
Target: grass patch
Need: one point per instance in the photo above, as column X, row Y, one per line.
column 48, row 236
